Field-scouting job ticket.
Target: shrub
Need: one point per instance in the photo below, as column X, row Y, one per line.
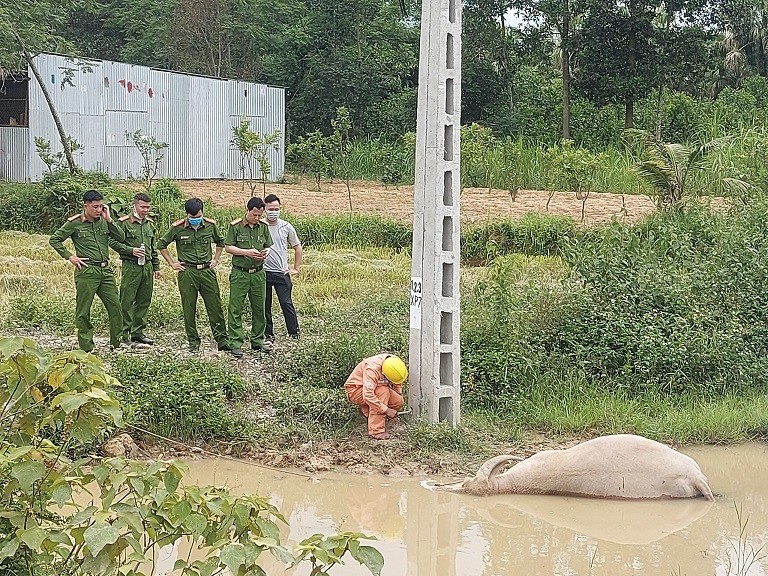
column 357, row 232
column 327, row 361
column 533, row 234
column 22, row 207
column 180, row 398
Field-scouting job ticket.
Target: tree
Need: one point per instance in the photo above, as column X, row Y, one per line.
column 54, row 405
column 339, row 141
column 201, row 37
column 356, row 54
column 573, row 169
column 151, row 150
column 617, row 59
column 746, row 24
column 254, row 149
column 559, row 17
column 26, row 29
column 667, row 167
column 487, row 60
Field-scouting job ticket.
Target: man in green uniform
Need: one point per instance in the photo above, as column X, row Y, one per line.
column 91, row 233
column 141, row 266
column 193, row 236
column 248, row 240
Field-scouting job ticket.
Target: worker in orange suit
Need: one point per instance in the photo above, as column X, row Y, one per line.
column 376, row 386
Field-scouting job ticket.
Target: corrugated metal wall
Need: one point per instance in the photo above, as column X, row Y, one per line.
column 194, row 115
column 14, row 153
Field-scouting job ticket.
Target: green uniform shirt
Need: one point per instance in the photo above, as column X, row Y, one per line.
column 242, row 235
column 193, row 246
column 91, row 239
column 136, row 234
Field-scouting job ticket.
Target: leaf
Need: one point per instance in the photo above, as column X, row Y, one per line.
column 15, row 453
column 181, row 512
column 99, row 394
column 27, row 473
column 99, row 535
column 10, row 548
column 10, row 346
column 36, row 394
column 62, row 494
column 58, row 377
column 282, row 554
column 372, row 558
column 60, row 537
column 32, row 537
column 196, row 523
column 83, row 515
column 69, row 402
column 233, row 556
column 171, row 480
column 268, row 529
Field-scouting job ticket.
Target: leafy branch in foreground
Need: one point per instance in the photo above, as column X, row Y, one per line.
column 52, row 405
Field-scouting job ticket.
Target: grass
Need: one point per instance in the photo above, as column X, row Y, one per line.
column 353, row 302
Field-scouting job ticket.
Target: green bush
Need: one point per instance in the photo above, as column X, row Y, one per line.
column 308, row 408
column 22, row 207
column 183, row 398
column 675, row 305
column 327, row 361
column 533, row 234
column 37, row 309
column 353, row 232
column 63, row 194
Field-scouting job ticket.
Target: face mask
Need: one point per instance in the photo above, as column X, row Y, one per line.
column 195, row 221
column 272, row 215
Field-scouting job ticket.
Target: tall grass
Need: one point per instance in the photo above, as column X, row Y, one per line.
column 512, row 164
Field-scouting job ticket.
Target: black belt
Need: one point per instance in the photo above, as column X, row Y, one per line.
column 99, row 264
column 249, row 270
column 131, row 260
column 203, row 266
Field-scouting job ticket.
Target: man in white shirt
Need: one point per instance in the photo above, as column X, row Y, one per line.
column 279, row 274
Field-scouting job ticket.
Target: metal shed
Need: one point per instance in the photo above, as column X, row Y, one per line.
column 194, row 115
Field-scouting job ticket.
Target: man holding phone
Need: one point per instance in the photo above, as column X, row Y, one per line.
column 248, row 240
column 91, row 232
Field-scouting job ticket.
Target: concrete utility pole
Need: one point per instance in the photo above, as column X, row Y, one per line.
column 433, row 391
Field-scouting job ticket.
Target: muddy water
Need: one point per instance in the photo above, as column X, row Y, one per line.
column 424, row 533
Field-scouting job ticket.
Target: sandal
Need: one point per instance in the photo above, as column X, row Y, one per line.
column 382, row 436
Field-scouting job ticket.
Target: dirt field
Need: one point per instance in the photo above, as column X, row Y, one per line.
column 477, row 204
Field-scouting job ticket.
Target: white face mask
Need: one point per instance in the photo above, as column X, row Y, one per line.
column 272, row 215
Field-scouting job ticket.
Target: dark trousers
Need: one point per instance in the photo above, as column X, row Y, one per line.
column 283, row 287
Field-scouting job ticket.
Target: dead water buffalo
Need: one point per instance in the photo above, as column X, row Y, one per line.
column 619, row 466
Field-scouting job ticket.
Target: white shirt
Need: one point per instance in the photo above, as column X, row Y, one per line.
column 283, row 236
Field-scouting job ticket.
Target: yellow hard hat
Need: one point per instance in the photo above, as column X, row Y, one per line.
column 394, row 370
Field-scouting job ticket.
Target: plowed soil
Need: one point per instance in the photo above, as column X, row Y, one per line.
column 476, row 204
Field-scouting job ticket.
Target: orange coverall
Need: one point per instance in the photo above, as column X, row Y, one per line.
column 368, row 388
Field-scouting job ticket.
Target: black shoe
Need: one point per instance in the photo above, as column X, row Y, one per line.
column 294, row 336
column 270, row 338
column 236, row 353
column 143, row 340
column 225, row 348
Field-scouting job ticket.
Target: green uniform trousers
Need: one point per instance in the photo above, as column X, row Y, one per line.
column 254, row 286
column 191, row 283
column 95, row 281
column 136, row 286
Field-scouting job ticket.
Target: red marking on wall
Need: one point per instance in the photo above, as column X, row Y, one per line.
column 150, row 92
column 121, row 82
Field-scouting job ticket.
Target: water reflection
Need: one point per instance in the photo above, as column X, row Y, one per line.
column 424, row 533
